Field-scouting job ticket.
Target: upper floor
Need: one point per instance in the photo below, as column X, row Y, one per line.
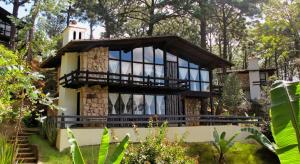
column 146, row 64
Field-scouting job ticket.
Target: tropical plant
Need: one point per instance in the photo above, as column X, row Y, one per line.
column 6, row 151
column 156, row 148
column 115, row 158
column 260, row 138
column 285, row 116
column 222, row 145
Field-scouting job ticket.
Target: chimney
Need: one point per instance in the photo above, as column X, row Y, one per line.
column 73, row 32
column 253, row 68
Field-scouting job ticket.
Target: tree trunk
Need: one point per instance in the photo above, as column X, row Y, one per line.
column 91, row 29
column 151, row 21
column 203, row 24
column 68, row 15
column 224, row 31
column 13, row 31
column 35, row 12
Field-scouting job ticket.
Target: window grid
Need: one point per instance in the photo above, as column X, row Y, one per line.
column 190, row 66
column 119, row 104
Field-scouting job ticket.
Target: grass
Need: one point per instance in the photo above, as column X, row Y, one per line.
column 50, row 155
column 240, row 153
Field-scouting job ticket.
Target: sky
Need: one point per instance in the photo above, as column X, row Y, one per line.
column 24, row 10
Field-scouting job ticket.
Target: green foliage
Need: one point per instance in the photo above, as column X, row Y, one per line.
column 221, row 144
column 116, row 156
column 232, row 94
column 6, row 151
column 48, row 130
column 157, row 149
column 285, row 117
column 260, row 138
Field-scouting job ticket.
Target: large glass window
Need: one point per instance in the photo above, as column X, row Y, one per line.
column 137, row 104
column 160, row 105
column 125, row 70
column 142, row 61
column 138, row 54
column 126, row 104
column 183, row 73
column 138, row 70
column 126, row 56
column 159, row 56
column 148, row 55
column 205, row 85
column 171, row 57
column 113, row 106
column 114, row 54
column 149, row 104
column 182, row 63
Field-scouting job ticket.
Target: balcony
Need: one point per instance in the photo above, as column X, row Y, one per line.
column 143, row 120
column 77, row 79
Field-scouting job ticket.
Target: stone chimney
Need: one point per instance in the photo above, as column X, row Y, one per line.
column 253, row 68
column 73, row 32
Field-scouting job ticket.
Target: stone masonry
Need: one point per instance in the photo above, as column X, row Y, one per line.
column 94, row 100
column 192, row 108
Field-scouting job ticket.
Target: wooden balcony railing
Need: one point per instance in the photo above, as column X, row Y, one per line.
column 63, row 121
column 78, row 78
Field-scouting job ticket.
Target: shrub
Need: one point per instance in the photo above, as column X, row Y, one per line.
column 156, row 149
column 48, row 130
column 6, row 151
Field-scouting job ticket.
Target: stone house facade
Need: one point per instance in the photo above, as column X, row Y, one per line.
column 133, row 77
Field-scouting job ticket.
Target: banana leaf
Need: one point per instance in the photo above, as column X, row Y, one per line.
column 285, row 116
column 77, row 157
column 104, row 146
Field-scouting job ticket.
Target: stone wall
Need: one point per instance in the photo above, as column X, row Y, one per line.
column 95, row 60
column 94, row 101
column 192, row 107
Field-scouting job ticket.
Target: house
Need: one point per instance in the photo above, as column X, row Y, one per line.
column 120, row 82
column 253, row 79
column 5, row 26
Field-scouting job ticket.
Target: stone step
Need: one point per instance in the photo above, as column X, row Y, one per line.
column 24, row 150
column 32, row 130
column 29, row 154
column 26, row 159
column 25, row 134
column 23, row 145
column 19, row 141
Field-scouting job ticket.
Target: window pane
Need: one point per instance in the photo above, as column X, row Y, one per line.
column 138, row 104
column 159, row 56
column 159, row 72
column 194, row 74
column 126, row 55
column 148, row 54
column 160, row 105
column 113, row 103
column 182, row 63
column 126, row 69
column 205, row 87
column 171, row 57
column 183, row 74
column 114, row 54
column 192, row 65
column 195, row 86
column 138, row 70
column 149, row 104
column 204, row 75
column 126, row 104
column 149, row 70
column 138, row 54
column 114, row 66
